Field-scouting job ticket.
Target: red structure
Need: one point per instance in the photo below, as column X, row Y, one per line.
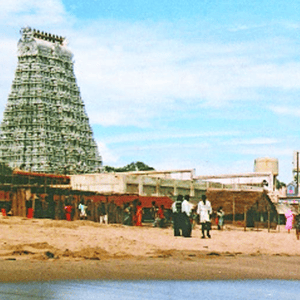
column 43, row 195
column 120, row 200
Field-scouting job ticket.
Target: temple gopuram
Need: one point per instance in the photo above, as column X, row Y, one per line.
column 45, row 127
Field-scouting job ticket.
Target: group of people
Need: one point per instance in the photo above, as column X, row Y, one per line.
column 133, row 213
column 130, row 214
column 158, row 214
column 184, row 216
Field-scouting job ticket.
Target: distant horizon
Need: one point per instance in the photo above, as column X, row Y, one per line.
column 204, row 85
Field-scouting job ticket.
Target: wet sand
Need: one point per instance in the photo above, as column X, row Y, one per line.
column 41, row 250
column 240, row 268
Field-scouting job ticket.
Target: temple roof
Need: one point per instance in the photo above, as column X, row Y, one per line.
column 41, row 35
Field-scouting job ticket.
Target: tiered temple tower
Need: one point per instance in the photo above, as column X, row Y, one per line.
column 45, row 127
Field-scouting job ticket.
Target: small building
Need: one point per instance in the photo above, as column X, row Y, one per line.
column 245, row 208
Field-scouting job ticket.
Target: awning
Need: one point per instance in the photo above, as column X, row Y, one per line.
column 282, row 208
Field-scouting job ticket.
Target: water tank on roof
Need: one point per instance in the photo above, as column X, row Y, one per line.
column 266, row 164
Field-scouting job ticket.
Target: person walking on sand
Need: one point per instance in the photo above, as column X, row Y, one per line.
column 139, row 214
column 178, row 217
column 289, row 220
column 103, row 217
column 160, row 220
column 204, row 211
column 153, row 212
column 194, row 217
column 187, row 210
column 297, row 226
column 126, row 214
column 133, row 206
column 68, row 211
column 82, row 208
column 220, row 215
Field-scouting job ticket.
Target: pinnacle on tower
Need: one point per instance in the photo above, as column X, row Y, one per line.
column 45, row 127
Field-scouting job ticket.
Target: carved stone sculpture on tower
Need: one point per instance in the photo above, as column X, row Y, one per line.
column 45, row 127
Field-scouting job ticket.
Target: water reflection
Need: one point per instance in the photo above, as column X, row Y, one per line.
column 144, row 290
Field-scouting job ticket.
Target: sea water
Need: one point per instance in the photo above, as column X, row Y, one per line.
column 152, row 289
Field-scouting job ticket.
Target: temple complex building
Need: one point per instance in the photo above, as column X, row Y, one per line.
column 45, row 127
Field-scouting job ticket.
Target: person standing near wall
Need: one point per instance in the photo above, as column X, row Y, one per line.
column 139, row 214
column 297, row 226
column 220, row 215
column 160, row 220
column 289, row 220
column 126, row 214
column 178, row 217
column 153, row 212
column 111, row 211
column 204, row 211
column 102, row 210
column 82, row 207
column 187, row 210
column 68, row 211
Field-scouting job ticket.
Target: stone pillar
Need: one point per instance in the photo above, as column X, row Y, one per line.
column 192, row 189
column 123, row 184
column 75, row 204
column 157, row 187
column 141, row 185
column 14, row 204
column 21, row 202
column 175, row 188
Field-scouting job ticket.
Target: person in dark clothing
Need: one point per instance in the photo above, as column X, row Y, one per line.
column 178, row 216
column 297, row 226
column 102, row 210
column 153, row 212
column 187, row 210
column 127, row 214
column 160, row 220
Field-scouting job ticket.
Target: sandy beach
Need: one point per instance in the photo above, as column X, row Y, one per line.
column 43, row 249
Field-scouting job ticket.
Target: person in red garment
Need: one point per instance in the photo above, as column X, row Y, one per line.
column 139, row 214
column 160, row 221
column 68, row 211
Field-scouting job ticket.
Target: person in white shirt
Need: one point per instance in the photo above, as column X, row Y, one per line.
column 204, row 211
column 187, row 210
column 82, row 208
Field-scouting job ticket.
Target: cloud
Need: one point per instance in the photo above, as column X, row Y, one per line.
column 254, row 141
column 156, row 136
column 163, row 147
column 242, row 27
column 285, row 111
column 265, row 151
column 131, row 73
column 291, row 25
column 33, row 12
column 141, row 73
column 108, row 156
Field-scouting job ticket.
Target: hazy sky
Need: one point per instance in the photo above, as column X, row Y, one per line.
column 210, row 85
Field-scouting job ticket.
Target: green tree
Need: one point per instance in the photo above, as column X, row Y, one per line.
column 5, row 169
column 279, row 184
column 132, row 167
